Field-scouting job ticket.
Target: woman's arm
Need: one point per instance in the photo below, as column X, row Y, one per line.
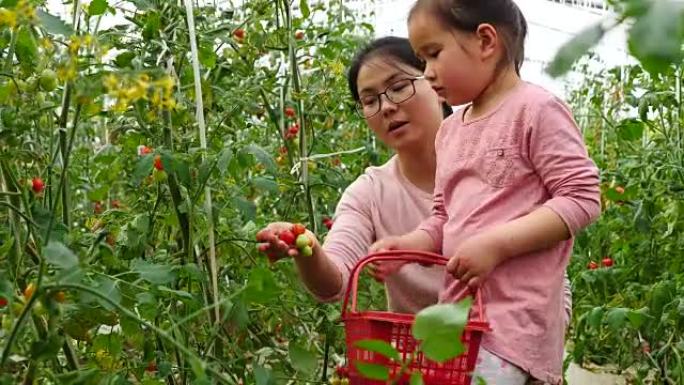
column 326, row 271
column 317, row 271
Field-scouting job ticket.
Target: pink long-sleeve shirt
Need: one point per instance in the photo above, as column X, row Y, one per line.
column 382, row 203
column 525, row 154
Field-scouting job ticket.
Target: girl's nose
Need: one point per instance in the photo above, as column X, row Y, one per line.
column 429, row 73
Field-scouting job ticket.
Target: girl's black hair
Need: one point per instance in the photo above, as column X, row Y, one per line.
column 467, row 15
column 391, row 47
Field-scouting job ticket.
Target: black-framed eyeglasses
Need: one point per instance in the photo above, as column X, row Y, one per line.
column 397, row 93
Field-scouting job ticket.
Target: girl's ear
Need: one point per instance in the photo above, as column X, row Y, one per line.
column 488, row 40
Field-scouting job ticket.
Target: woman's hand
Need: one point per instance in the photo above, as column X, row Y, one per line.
column 383, row 269
column 273, row 243
column 318, row 272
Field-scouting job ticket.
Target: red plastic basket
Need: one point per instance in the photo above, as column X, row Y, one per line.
column 395, row 329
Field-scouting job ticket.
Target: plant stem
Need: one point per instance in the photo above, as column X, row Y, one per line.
column 63, row 177
column 208, row 206
column 13, row 211
column 303, row 148
column 9, row 60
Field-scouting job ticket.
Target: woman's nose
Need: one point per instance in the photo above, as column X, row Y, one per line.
column 386, row 105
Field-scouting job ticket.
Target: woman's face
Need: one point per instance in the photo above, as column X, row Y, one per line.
column 410, row 124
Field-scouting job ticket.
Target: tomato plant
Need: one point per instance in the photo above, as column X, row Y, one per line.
column 130, row 215
column 629, row 307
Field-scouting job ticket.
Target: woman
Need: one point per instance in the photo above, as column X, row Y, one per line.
column 405, row 113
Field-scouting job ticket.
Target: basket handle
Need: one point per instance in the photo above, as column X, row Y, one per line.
column 397, row 255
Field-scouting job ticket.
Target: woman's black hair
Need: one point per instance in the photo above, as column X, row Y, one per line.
column 391, row 47
column 467, row 15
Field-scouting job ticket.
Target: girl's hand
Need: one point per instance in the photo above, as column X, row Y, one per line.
column 272, row 244
column 475, row 259
column 415, row 240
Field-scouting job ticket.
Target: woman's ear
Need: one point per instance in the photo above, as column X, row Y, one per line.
column 488, row 39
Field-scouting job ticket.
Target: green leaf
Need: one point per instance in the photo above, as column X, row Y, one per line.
column 145, row 298
column 224, row 158
column 616, row 318
column 124, row 59
column 440, row 328
column 152, row 272
column 238, row 315
column 26, row 48
column 109, row 289
column 59, row 255
column 372, row 371
column 47, row 348
column 574, row 49
column 9, row 3
column 630, row 129
column 595, row 317
column 111, row 343
column 416, row 378
column 97, row 7
column 199, row 370
column 261, row 286
column 261, row 156
column 246, row 207
column 634, row 8
column 53, row 24
column 637, row 317
column 177, row 293
column 661, row 295
column 141, row 223
column 143, row 168
column 380, row 347
column 265, row 184
column 302, row 360
column 304, row 7
column 142, row 5
column 207, row 56
column 656, row 37
column 263, row 376
column 152, row 25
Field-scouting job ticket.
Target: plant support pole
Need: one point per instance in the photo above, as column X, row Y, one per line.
column 203, row 146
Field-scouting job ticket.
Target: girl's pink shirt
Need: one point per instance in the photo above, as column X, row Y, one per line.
column 525, row 154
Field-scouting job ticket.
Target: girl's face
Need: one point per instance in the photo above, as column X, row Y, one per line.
column 459, row 65
column 406, row 125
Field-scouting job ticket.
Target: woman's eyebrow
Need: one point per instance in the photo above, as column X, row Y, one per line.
column 388, row 80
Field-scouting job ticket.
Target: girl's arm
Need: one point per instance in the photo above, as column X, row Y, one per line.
column 558, row 154
column 428, row 236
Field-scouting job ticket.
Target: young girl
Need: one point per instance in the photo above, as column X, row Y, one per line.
column 513, row 184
